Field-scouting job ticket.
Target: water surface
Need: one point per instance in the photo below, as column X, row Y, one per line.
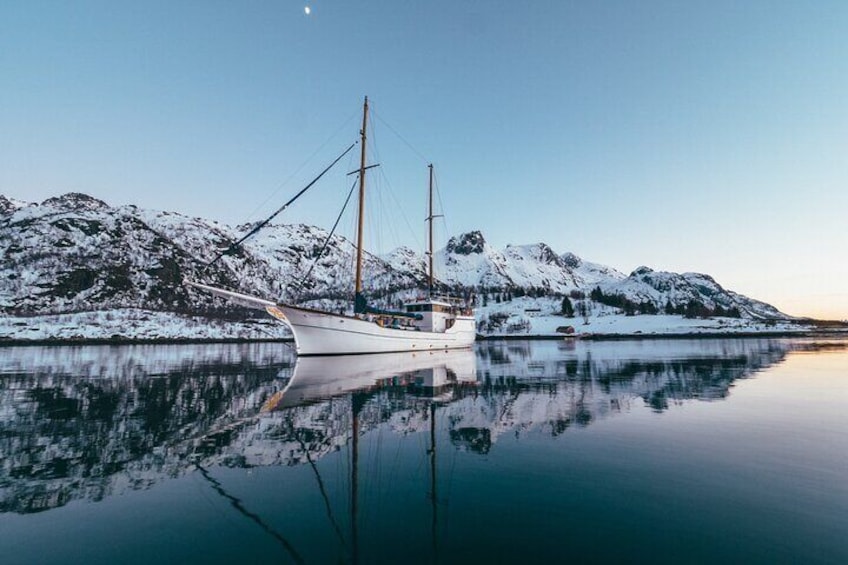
column 633, row 451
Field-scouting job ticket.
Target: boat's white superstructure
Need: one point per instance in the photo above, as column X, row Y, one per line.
column 424, row 325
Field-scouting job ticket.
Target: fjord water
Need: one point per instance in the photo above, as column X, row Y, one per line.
column 648, row 451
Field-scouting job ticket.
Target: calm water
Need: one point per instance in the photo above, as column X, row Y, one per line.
column 672, row 451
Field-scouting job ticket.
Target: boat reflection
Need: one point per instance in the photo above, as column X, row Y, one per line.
column 319, row 378
column 426, row 379
column 90, row 423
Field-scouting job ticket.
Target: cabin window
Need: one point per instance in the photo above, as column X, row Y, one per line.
column 428, row 308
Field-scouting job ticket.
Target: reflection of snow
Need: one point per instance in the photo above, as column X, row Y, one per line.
column 88, row 422
column 137, row 324
column 119, row 362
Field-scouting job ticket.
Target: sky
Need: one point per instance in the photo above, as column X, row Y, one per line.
column 685, row 136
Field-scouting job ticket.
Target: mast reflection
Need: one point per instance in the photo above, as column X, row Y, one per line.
column 430, row 377
column 89, row 423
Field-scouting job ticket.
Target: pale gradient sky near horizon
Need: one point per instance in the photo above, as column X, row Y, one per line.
column 685, row 136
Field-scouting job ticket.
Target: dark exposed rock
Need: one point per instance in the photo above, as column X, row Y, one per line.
column 546, row 255
column 6, row 206
column 571, row 260
column 639, row 271
column 72, row 283
column 467, row 243
column 75, row 201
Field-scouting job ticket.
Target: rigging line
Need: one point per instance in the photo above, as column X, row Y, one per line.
column 416, row 234
column 413, row 149
column 441, row 205
column 323, row 490
column 373, row 492
column 373, row 219
column 262, row 224
column 391, row 191
column 386, row 230
column 326, row 241
column 302, row 165
column 237, row 504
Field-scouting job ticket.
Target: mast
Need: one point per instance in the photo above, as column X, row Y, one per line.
column 433, row 498
column 430, row 219
column 357, row 401
column 359, row 300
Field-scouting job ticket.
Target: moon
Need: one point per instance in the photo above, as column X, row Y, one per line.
column 307, row 10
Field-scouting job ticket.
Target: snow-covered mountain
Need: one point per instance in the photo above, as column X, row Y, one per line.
column 645, row 284
column 76, row 253
column 469, row 261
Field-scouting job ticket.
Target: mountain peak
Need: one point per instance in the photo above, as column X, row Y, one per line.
column 643, row 270
column 76, row 201
column 467, row 243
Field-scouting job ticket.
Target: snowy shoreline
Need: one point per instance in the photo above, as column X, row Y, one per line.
column 10, row 342
column 136, row 326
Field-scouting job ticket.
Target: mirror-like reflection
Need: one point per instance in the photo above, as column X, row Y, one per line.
column 84, row 422
column 87, row 424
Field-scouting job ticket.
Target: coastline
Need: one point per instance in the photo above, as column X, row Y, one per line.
column 828, row 333
column 11, row 342
column 137, row 326
column 657, row 336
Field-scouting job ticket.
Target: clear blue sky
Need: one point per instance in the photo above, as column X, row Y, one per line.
column 703, row 136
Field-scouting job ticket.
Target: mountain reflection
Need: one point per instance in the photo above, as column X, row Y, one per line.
column 90, row 422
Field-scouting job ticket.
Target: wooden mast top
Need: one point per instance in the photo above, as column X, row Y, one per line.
column 360, row 233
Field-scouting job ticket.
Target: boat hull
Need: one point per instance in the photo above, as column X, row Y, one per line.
column 323, row 333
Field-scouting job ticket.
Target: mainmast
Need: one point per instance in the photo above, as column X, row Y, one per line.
column 430, row 220
column 358, row 299
column 430, row 217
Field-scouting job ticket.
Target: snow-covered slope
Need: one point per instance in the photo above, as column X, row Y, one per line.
column 661, row 288
column 75, row 253
column 469, row 261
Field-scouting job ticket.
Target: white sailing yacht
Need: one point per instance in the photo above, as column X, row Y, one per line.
column 424, row 325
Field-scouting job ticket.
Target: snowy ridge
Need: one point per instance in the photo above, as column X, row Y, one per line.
column 658, row 286
column 74, row 254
